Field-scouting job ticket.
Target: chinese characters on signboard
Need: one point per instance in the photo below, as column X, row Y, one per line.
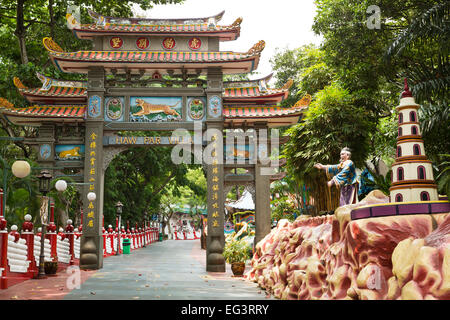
column 92, row 159
column 215, row 184
column 116, row 42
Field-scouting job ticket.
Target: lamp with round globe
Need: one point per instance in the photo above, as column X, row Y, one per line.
column 91, row 196
column 20, row 169
column 61, row 185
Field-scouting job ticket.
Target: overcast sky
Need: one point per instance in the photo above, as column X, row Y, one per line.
column 280, row 23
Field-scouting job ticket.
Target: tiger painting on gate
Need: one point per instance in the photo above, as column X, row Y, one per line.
column 155, row 109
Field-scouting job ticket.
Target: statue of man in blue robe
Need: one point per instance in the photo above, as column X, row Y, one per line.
column 343, row 176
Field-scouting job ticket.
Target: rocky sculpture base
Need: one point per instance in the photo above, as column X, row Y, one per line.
column 333, row 257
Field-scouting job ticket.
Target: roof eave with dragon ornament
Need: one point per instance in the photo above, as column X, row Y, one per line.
column 34, row 115
column 53, row 91
column 80, row 61
column 256, row 91
column 274, row 115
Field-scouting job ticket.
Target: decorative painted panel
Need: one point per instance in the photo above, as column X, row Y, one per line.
column 45, row 151
column 94, row 106
column 69, row 152
column 239, row 152
column 215, row 106
column 114, row 108
column 196, row 108
column 155, row 109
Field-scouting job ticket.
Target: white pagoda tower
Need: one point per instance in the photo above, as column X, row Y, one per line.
column 412, row 172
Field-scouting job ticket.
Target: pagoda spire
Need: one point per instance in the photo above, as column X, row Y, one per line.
column 406, row 93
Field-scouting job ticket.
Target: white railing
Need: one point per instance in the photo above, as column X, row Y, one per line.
column 63, row 250
column 17, row 255
column 76, row 247
column 115, row 243
column 108, row 246
column 37, row 249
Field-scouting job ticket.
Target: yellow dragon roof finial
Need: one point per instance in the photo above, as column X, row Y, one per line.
column 6, row 104
column 18, row 83
column 303, row 102
column 51, row 45
column 257, row 48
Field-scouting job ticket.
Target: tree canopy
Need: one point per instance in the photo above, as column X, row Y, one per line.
column 356, row 77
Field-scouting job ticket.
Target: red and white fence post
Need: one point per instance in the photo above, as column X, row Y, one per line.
column 51, row 232
column 123, row 235
column 28, row 235
column 110, row 238
column 70, row 236
column 104, row 242
column 3, row 246
column 133, row 239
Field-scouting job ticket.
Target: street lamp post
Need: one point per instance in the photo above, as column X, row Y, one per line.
column 119, row 206
column 44, row 188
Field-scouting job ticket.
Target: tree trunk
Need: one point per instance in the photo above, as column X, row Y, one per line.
column 20, row 31
column 52, row 19
column 63, row 215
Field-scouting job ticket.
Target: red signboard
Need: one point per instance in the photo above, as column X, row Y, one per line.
column 168, row 43
column 116, row 42
column 195, row 44
column 142, row 43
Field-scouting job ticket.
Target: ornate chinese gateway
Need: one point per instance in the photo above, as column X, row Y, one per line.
column 157, row 75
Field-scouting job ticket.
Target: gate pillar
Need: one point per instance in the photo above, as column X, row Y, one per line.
column 213, row 159
column 262, row 187
column 91, row 246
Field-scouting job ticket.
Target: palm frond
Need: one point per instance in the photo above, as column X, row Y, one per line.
column 433, row 23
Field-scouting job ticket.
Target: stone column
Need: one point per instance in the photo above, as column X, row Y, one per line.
column 262, row 186
column 213, row 159
column 91, row 246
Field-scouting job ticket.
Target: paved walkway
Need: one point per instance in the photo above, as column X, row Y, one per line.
column 169, row 270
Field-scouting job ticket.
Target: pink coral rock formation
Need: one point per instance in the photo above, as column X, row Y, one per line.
column 332, row 257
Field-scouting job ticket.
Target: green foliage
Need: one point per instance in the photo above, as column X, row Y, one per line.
column 137, row 177
column 361, row 73
column 306, row 67
column 236, row 250
column 443, row 178
column 332, row 122
column 435, row 124
column 281, row 209
column 428, row 33
column 288, row 197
